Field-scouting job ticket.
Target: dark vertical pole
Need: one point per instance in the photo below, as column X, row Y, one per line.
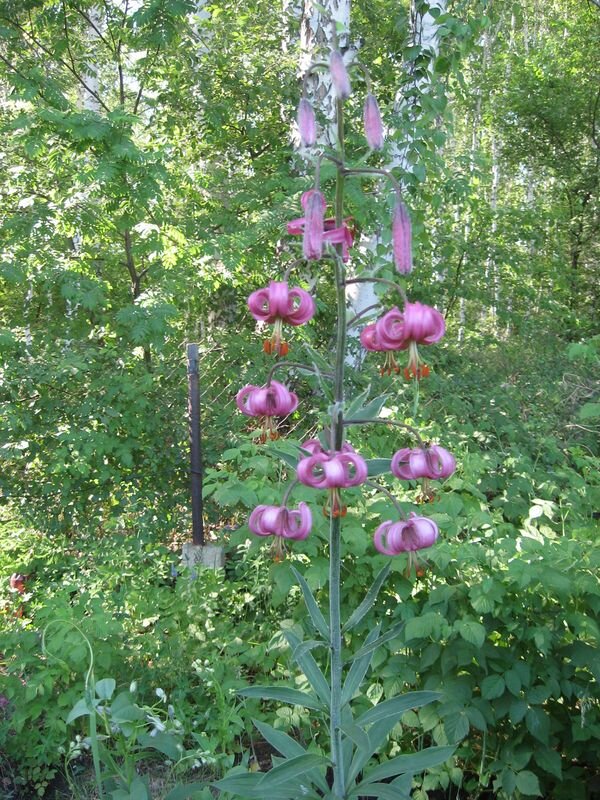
column 195, row 444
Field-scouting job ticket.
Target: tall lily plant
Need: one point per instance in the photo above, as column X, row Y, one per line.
column 352, row 767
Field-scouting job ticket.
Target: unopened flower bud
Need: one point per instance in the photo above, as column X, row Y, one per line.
column 402, row 239
column 307, row 124
column 339, row 75
column 314, row 211
column 373, row 124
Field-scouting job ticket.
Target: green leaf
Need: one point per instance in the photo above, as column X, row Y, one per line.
column 397, row 706
column 377, row 466
column 472, row 632
column 383, row 791
column 190, row 790
column 456, row 726
column 417, row 762
column 359, row 668
column 105, row 688
column 289, row 748
column 283, row 743
column 368, row 600
column 393, row 632
column 283, row 695
column 291, row 769
column 287, row 458
column 492, row 687
column 316, row 615
column 309, row 667
column 549, row 760
column 509, row 781
column 369, row 411
column 80, row 709
column 589, row 411
column 244, row 783
column 163, row 742
column 527, row 783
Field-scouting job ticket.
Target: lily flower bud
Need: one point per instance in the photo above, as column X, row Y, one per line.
column 307, row 123
column 339, row 75
column 373, row 124
column 402, row 239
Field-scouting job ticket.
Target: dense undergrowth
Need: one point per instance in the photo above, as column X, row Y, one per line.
column 503, row 617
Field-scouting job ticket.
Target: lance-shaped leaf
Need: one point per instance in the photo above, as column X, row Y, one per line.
column 413, row 762
column 316, row 615
column 245, row 784
column 369, row 599
column 398, row 789
column 356, row 735
column 290, row 770
column 358, row 402
column 377, row 466
column 284, row 695
column 368, row 411
column 309, row 667
column 287, row 458
column 396, row 706
column 289, row 748
column 189, row 790
column 358, row 670
column 393, row 632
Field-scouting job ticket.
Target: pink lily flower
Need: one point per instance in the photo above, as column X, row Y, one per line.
column 274, row 400
column 282, row 523
column 314, row 446
column 406, row 536
column 339, row 75
column 372, row 123
column 402, row 239
column 331, row 234
column 430, row 462
column 403, row 330
column 307, row 123
column 277, row 305
column 332, row 470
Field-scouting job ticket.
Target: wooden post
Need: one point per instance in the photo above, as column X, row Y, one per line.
column 195, row 445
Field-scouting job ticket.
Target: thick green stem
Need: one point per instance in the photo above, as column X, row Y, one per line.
column 337, row 429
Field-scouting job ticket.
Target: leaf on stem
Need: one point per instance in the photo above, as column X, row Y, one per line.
column 284, row 695
column 316, row 615
column 358, row 670
column 396, row 706
column 368, row 601
column 309, row 667
column 393, row 632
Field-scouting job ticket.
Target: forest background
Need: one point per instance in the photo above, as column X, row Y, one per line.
column 147, row 173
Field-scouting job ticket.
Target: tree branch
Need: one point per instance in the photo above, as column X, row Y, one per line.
column 59, row 60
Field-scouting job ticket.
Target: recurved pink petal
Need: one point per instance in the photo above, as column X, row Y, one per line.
column 255, row 521
column 298, row 523
column 242, row 397
column 402, row 465
column 423, row 324
column 390, row 330
column 311, row 471
column 300, row 307
column 441, row 462
column 259, row 305
column 369, row 339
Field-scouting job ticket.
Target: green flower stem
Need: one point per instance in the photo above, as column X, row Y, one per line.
column 337, row 429
column 297, row 365
column 374, row 171
column 393, row 422
column 378, row 487
column 395, row 286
